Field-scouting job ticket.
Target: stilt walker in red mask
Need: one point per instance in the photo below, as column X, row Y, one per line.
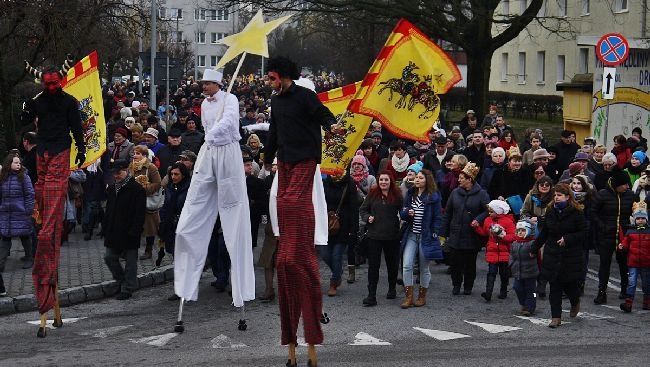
column 56, row 114
column 295, row 135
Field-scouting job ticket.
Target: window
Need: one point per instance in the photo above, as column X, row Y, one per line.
column 561, row 8
column 223, row 15
column 541, row 67
column 583, row 61
column 176, row 13
column 521, row 75
column 523, row 4
column 542, row 10
column 585, row 7
column 162, row 13
column 200, row 61
column 213, row 61
column 199, row 14
column 559, row 70
column 504, row 67
column 215, row 36
column 200, row 37
column 176, row 37
column 162, row 36
column 505, row 10
column 620, row 5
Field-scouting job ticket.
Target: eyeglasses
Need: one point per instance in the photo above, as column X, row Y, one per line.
column 544, row 184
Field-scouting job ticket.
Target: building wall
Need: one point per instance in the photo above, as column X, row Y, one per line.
column 532, row 62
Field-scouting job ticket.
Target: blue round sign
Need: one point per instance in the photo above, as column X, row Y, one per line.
column 612, row 49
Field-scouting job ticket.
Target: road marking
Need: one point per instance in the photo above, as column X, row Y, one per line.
column 441, row 334
column 367, row 339
column 156, row 340
column 493, row 328
column 103, row 333
column 591, row 316
column 538, row 321
column 609, row 284
column 50, row 322
column 224, row 342
column 618, row 308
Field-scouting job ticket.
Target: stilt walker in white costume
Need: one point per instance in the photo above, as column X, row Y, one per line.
column 218, row 187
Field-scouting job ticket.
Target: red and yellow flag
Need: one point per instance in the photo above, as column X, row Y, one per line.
column 338, row 149
column 403, row 85
column 82, row 82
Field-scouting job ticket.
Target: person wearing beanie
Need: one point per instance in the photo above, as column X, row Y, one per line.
column 611, row 211
column 609, row 167
column 381, row 149
column 497, row 161
column 621, row 150
column 360, row 174
column 523, row 267
column 636, row 244
column 512, row 182
column 121, row 147
column 637, row 164
column 499, row 228
column 643, row 142
column 464, row 204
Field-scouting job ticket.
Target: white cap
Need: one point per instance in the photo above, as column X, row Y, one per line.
column 211, row 75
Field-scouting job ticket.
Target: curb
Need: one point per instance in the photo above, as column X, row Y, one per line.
column 85, row 293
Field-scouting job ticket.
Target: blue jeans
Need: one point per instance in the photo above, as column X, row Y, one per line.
column 332, row 255
column 412, row 249
column 633, row 274
column 525, row 289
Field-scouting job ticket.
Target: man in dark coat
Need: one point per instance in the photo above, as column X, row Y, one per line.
column 566, row 150
column 169, row 154
column 123, row 223
column 612, row 208
column 434, row 160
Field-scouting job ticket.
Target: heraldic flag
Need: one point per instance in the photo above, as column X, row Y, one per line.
column 338, row 149
column 82, row 82
column 403, row 85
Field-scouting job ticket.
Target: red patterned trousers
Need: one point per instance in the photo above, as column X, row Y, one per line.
column 296, row 261
column 51, row 192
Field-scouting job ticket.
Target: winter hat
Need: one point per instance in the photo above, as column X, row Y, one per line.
column 471, row 170
column 188, row 154
column 581, row 156
column 359, row 158
column 526, row 225
column 640, row 214
column 610, row 158
column 153, row 132
column 376, row 134
column 122, row 131
column 540, row 153
column 416, row 167
column 575, row 168
column 619, row 178
column 639, row 155
column 499, row 150
column 499, row 206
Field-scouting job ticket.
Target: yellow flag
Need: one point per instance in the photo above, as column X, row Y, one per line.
column 403, row 85
column 82, row 82
column 338, row 149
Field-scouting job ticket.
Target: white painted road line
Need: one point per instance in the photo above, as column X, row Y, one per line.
column 609, row 284
column 156, row 340
column 591, row 316
column 441, row 334
column 539, row 321
column 493, row 328
column 224, row 342
column 105, row 332
column 50, row 322
column 367, row 339
column 618, row 308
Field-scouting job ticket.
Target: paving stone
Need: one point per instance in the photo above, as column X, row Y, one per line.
column 26, row 303
column 110, row 288
column 145, row 280
column 93, row 292
column 7, row 305
column 158, row 277
column 76, row 295
column 64, row 299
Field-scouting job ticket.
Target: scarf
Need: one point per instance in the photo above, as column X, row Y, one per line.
column 137, row 166
column 561, row 205
column 580, row 196
column 120, row 185
column 400, row 165
column 358, row 177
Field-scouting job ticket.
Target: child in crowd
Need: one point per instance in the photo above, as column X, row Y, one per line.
column 523, row 267
column 637, row 242
column 499, row 227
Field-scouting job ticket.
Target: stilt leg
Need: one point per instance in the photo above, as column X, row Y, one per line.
column 311, row 352
column 58, row 322
column 292, row 356
column 179, row 328
column 41, row 328
column 242, row 322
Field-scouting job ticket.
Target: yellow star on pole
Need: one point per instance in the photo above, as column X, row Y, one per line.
column 252, row 39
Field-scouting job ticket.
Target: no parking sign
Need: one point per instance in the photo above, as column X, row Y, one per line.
column 612, row 49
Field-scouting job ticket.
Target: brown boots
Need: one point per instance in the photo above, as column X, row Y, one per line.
column 422, row 298
column 555, row 322
column 408, row 297
column 332, row 290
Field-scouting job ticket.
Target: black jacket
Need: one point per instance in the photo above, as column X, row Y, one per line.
column 124, row 218
column 349, row 213
column 610, row 212
column 507, row 183
column 462, row 208
column 432, row 163
column 562, row 263
column 386, row 223
column 297, row 116
column 58, row 115
column 168, row 155
column 565, row 155
column 175, row 196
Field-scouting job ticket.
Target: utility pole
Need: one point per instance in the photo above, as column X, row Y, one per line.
column 140, row 61
column 154, row 46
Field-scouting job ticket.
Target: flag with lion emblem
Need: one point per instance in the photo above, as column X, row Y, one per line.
column 403, row 86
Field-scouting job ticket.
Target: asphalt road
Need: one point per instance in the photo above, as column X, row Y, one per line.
column 140, row 331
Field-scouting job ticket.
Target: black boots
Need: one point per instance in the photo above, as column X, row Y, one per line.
column 601, row 297
column 161, row 256
column 489, row 287
column 503, row 293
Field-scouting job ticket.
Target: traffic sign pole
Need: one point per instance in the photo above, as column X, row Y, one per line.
column 612, row 49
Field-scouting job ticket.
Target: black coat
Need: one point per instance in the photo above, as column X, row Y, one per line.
column 349, row 213
column 610, row 211
column 175, row 196
column 124, row 218
column 462, row 208
column 507, row 183
column 562, row 263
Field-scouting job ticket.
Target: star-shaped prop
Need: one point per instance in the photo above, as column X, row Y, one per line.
column 252, row 39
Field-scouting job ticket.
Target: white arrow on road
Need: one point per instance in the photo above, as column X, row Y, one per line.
column 50, row 322
column 367, row 339
column 103, row 333
column 156, row 340
column 538, row 321
column 493, row 328
column 591, row 316
column 441, row 334
column 224, row 342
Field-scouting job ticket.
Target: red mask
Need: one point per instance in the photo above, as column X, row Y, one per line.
column 274, row 81
column 51, row 82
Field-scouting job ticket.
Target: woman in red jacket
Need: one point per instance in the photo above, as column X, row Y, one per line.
column 499, row 227
column 621, row 151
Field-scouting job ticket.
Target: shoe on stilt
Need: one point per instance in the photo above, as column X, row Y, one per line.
column 408, row 298
column 555, row 322
column 290, row 364
column 601, row 297
column 627, row 305
column 422, row 298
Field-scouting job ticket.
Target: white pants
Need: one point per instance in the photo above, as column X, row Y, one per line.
column 218, row 186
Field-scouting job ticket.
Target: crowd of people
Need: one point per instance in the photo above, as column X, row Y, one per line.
column 537, row 206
